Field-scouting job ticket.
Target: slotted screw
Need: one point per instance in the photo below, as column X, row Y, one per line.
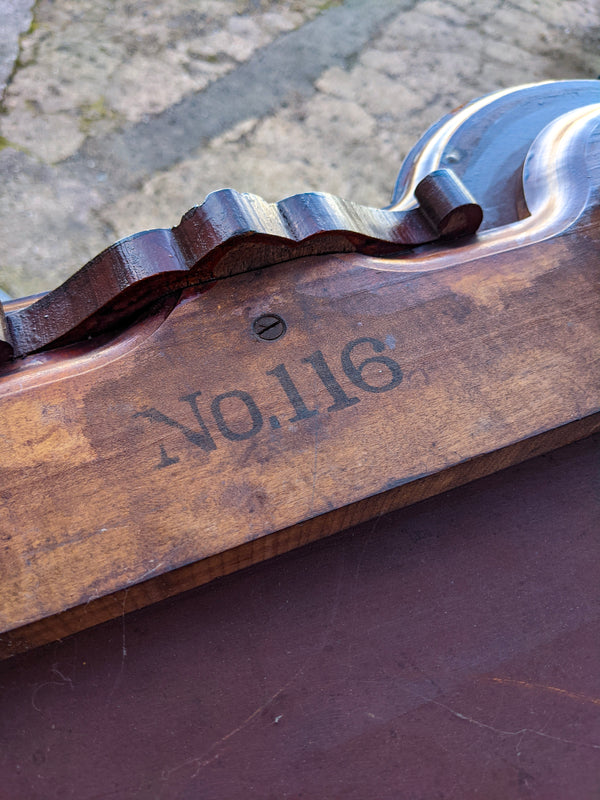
column 269, row 327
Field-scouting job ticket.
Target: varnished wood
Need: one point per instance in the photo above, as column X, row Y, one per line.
column 190, row 576
column 228, row 234
column 184, row 448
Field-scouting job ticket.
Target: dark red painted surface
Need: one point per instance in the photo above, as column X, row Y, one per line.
column 451, row 650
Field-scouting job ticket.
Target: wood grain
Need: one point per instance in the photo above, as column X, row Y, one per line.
column 229, row 233
column 154, row 460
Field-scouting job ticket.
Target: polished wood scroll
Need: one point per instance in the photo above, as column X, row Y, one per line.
column 282, row 396
column 228, row 234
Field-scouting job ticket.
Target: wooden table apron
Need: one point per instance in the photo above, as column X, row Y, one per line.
column 189, row 436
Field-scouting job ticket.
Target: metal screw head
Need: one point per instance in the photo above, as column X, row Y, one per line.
column 269, row 327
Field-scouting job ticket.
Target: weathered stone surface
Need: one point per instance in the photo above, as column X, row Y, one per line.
column 45, row 217
column 120, row 116
column 15, row 18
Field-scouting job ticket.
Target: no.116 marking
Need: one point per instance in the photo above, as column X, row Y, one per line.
column 355, row 372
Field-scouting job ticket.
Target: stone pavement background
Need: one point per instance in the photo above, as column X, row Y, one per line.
column 117, row 116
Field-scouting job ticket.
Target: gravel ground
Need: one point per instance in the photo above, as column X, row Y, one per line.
column 119, row 116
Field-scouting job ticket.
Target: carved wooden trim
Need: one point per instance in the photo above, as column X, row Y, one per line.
column 228, row 234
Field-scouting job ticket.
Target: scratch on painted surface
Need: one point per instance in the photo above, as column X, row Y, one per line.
column 64, row 681
column 214, row 751
column 314, row 470
column 502, row 732
column 542, row 686
column 117, row 681
column 200, row 762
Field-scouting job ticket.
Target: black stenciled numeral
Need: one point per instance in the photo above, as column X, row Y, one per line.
column 165, row 459
column 355, row 373
column 338, row 395
column 200, row 438
column 293, row 395
column 253, row 411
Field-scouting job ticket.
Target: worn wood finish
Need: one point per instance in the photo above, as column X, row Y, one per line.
column 228, row 234
column 186, row 447
column 503, row 124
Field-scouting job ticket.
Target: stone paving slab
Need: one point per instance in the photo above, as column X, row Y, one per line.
column 118, row 117
column 15, row 19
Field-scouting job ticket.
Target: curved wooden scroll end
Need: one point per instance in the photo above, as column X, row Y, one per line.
column 441, row 198
column 486, row 142
column 228, row 234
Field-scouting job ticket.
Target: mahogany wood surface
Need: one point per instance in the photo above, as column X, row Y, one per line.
column 152, row 460
column 228, row 234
